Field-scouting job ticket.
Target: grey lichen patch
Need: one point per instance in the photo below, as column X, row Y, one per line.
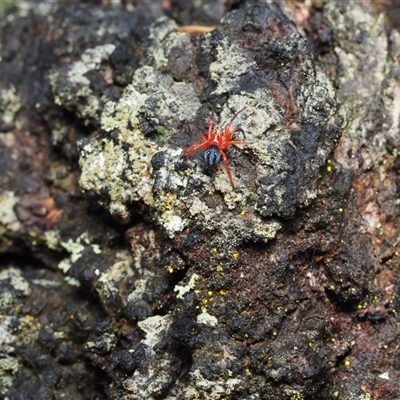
column 163, row 36
column 368, row 70
column 172, row 51
column 149, row 382
column 118, row 165
column 316, row 97
column 172, row 223
column 71, row 86
column 154, row 98
column 260, row 116
column 107, row 168
column 7, row 337
column 155, row 328
column 229, row 54
column 9, row 222
column 110, row 281
column 16, row 328
column 14, row 333
column 167, row 103
column 219, row 388
column 18, row 287
column 370, row 94
column 140, row 290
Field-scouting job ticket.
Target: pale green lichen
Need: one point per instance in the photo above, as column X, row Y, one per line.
column 76, row 248
column 9, row 367
column 16, row 280
column 197, row 207
column 46, row 283
column 108, row 341
column 52, row 238
column 172, row 223
column 10, row 104
column 8, row 219
column 154, row 327
column 207, row 319
column 182, row 290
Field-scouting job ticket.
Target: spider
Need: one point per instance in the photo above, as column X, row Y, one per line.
column 215, row 143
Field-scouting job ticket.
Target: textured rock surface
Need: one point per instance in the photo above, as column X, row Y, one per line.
column 130, row 272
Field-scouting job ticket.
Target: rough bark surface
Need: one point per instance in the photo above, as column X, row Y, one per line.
column 131, row 272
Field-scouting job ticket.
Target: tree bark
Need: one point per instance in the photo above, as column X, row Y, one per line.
column 130, row 271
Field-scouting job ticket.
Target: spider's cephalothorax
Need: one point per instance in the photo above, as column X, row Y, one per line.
column 214, row 144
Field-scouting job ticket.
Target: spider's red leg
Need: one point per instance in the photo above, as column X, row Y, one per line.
column 226, row 141
column 228, row 127
column 228, row 171
column 227, row 138
column 210, row 128
column 188, row 152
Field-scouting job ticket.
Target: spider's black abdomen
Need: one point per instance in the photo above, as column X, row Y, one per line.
column 212, row 156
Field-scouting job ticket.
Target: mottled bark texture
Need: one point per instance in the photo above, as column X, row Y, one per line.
column 130, row 272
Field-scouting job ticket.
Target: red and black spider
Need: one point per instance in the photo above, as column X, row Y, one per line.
column 215, row 143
